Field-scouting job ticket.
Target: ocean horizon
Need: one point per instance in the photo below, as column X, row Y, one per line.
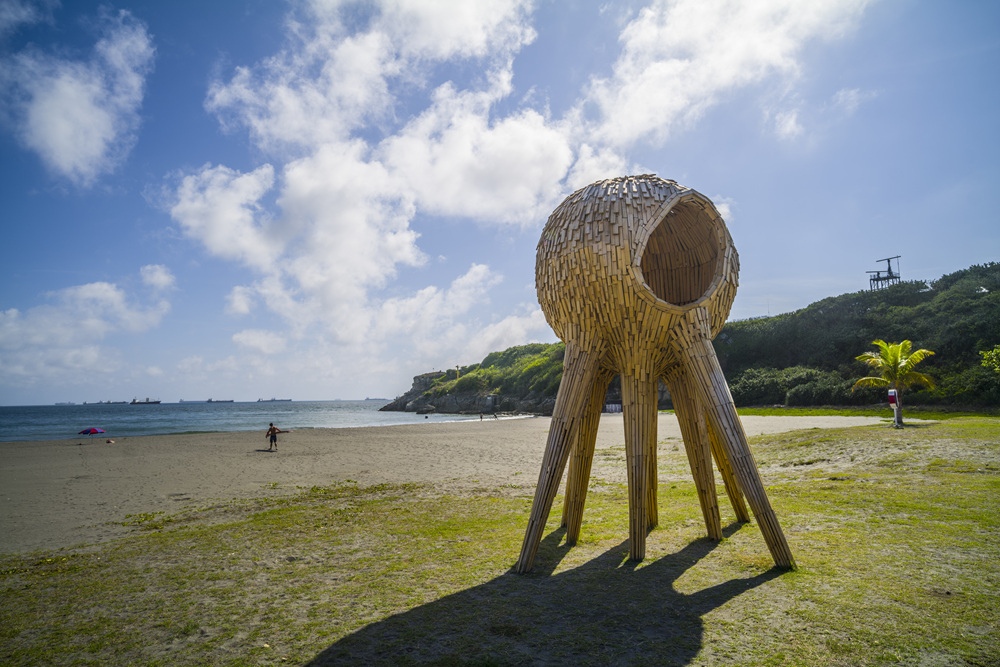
column 65, row 421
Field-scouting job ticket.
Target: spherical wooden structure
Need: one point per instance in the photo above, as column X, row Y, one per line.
column 637, row 275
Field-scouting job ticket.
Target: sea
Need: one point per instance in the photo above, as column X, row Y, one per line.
column 64, row 422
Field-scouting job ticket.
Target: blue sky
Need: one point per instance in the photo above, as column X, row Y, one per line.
column 319, row 200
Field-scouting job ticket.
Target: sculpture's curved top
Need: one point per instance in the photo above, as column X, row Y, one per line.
column 634, row 248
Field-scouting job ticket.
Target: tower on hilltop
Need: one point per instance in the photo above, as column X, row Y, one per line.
column 881, row 279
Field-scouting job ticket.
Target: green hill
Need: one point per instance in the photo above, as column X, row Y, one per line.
column 806, row 357
column 524, row 378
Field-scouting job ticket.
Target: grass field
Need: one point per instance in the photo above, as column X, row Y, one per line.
column 896, row 534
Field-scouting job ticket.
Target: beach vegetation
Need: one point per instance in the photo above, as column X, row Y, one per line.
column 957, row 316
column 894, row 534
column 807, row 357
column 894, row 363
column 991, row 359
column 524, row 370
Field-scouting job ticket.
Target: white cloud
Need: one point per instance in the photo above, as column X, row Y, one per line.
column 511, row 330
column 266, row 342
column 786, row 124
column 329, row 81
column 363, row 139
column 240, row 300
column 81, row 116
column 220, row 206
column 15, row 13
column 593, row 164
column 459, row 162
column 849, row 99
column 157, row 276
column 339, row 225
column 191, row 365
column 65, row 333
column 432, row 312
column 81, row 313
column 681, row 57
column 724, row 205
column 350, row 220
column 456, row 28
column 286, row 103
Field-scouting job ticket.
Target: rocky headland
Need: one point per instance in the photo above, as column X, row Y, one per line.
column 423, row 399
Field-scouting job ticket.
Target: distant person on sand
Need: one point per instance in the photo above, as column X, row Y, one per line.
column 272, row 433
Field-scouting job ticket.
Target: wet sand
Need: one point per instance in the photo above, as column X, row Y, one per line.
column 67, row 493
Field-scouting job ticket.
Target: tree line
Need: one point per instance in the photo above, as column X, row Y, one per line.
column 809, row 356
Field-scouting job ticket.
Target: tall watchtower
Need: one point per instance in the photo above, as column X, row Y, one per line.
column 882, row 279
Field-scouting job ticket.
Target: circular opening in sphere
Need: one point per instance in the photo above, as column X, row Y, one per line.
column 681, row 256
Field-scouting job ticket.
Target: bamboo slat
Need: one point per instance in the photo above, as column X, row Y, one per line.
column 582, row 458
column 637, row 274
column 694, row 431
column 728, row 479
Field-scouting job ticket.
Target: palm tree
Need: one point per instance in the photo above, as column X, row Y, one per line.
column 894, row 362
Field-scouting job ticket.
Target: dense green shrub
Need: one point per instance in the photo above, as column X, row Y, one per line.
column 768, row 386
column 517, row 371
column 473, row 382
column 826, row 389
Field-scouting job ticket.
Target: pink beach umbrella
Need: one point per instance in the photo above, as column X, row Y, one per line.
column 91, row 431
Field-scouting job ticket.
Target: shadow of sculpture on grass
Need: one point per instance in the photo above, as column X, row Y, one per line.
column 605, row 612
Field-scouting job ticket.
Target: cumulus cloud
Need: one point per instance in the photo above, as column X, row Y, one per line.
column 724, row 205
column 431, row 312
column 258, row 340
column 786, row 124
column 331, row 79
column 65, row 332
column 362, row 133
column 239, row 301
column 81, row 116
column 512, row 330
column 220, row 207
column 157, row 276
column 681, row 57
column 332, row 226
column 458, row 161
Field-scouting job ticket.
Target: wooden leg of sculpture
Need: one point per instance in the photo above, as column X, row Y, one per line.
column 652, row 471
column 691, row 418
column 639, row 406
column 653, row 483
column 726, row 472
column 582, row 458
column 698, row 356
column 580, row 367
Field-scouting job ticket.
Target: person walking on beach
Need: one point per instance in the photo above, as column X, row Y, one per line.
column 272, row 433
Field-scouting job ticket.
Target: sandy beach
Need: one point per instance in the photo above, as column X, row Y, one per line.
column 68, row 493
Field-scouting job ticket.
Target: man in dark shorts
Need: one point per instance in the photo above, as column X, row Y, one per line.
column 272, row 433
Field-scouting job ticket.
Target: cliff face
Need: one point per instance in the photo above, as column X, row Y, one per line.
column 419, row 399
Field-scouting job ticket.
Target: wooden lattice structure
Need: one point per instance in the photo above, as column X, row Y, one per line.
column 637, row 275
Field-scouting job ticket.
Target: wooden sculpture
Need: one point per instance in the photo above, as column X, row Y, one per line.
column 637, row 275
